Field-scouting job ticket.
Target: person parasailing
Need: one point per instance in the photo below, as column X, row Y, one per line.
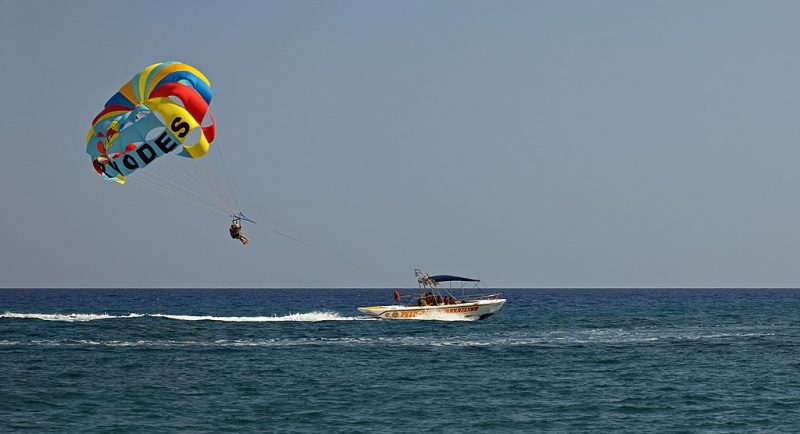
column 236, row 231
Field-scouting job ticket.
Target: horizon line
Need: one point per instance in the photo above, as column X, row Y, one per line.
column 398, row 287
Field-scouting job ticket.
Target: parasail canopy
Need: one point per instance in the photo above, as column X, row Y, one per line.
column 161, row 110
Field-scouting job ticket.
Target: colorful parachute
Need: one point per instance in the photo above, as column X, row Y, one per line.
column 161, row 110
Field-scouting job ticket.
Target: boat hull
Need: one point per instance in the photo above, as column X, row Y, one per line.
column 472, row 311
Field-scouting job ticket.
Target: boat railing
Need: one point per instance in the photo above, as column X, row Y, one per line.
column 439, row 299
column 481, row 296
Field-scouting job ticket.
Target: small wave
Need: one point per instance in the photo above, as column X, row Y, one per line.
column 470, row 340
column 254, row 343
column 69, row 317
column 297, row 317
column 622, row 336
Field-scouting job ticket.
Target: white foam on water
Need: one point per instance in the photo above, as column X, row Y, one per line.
column 80, row 317
column 296, row 317
column 440, row 316
column 68, row 317
column 620, row 336
column 219, row 343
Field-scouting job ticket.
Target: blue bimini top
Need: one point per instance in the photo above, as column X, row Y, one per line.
column 449, row 278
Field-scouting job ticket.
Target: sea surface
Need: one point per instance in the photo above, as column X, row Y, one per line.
column 306, row 361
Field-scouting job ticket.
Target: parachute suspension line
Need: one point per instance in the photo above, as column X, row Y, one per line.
column 180, row 190
column 193, row 183
column 226, row 176
column 168, row 193
column 198, row 178
column 177, row 192
column 174, row 191
column 184, row 199
column 209, row 176
column 204, row 178
column 327, row 253
column 229, row 198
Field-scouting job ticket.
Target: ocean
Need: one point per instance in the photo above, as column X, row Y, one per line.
column 306, row 361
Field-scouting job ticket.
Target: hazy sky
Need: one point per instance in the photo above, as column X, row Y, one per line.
column 530, row 144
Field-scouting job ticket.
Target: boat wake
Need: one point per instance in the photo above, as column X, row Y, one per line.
column 296, row 317
column 314, row 316
column 69, row 317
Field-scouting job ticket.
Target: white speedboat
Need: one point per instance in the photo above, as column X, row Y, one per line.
column 435, row 302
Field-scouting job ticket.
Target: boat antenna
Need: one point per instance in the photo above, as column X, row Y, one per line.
column 424, row 279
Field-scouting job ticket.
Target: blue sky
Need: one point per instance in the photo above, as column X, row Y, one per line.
column 531, row 144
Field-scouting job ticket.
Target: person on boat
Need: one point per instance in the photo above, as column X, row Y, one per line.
column 396, row 296
column 236, row 232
